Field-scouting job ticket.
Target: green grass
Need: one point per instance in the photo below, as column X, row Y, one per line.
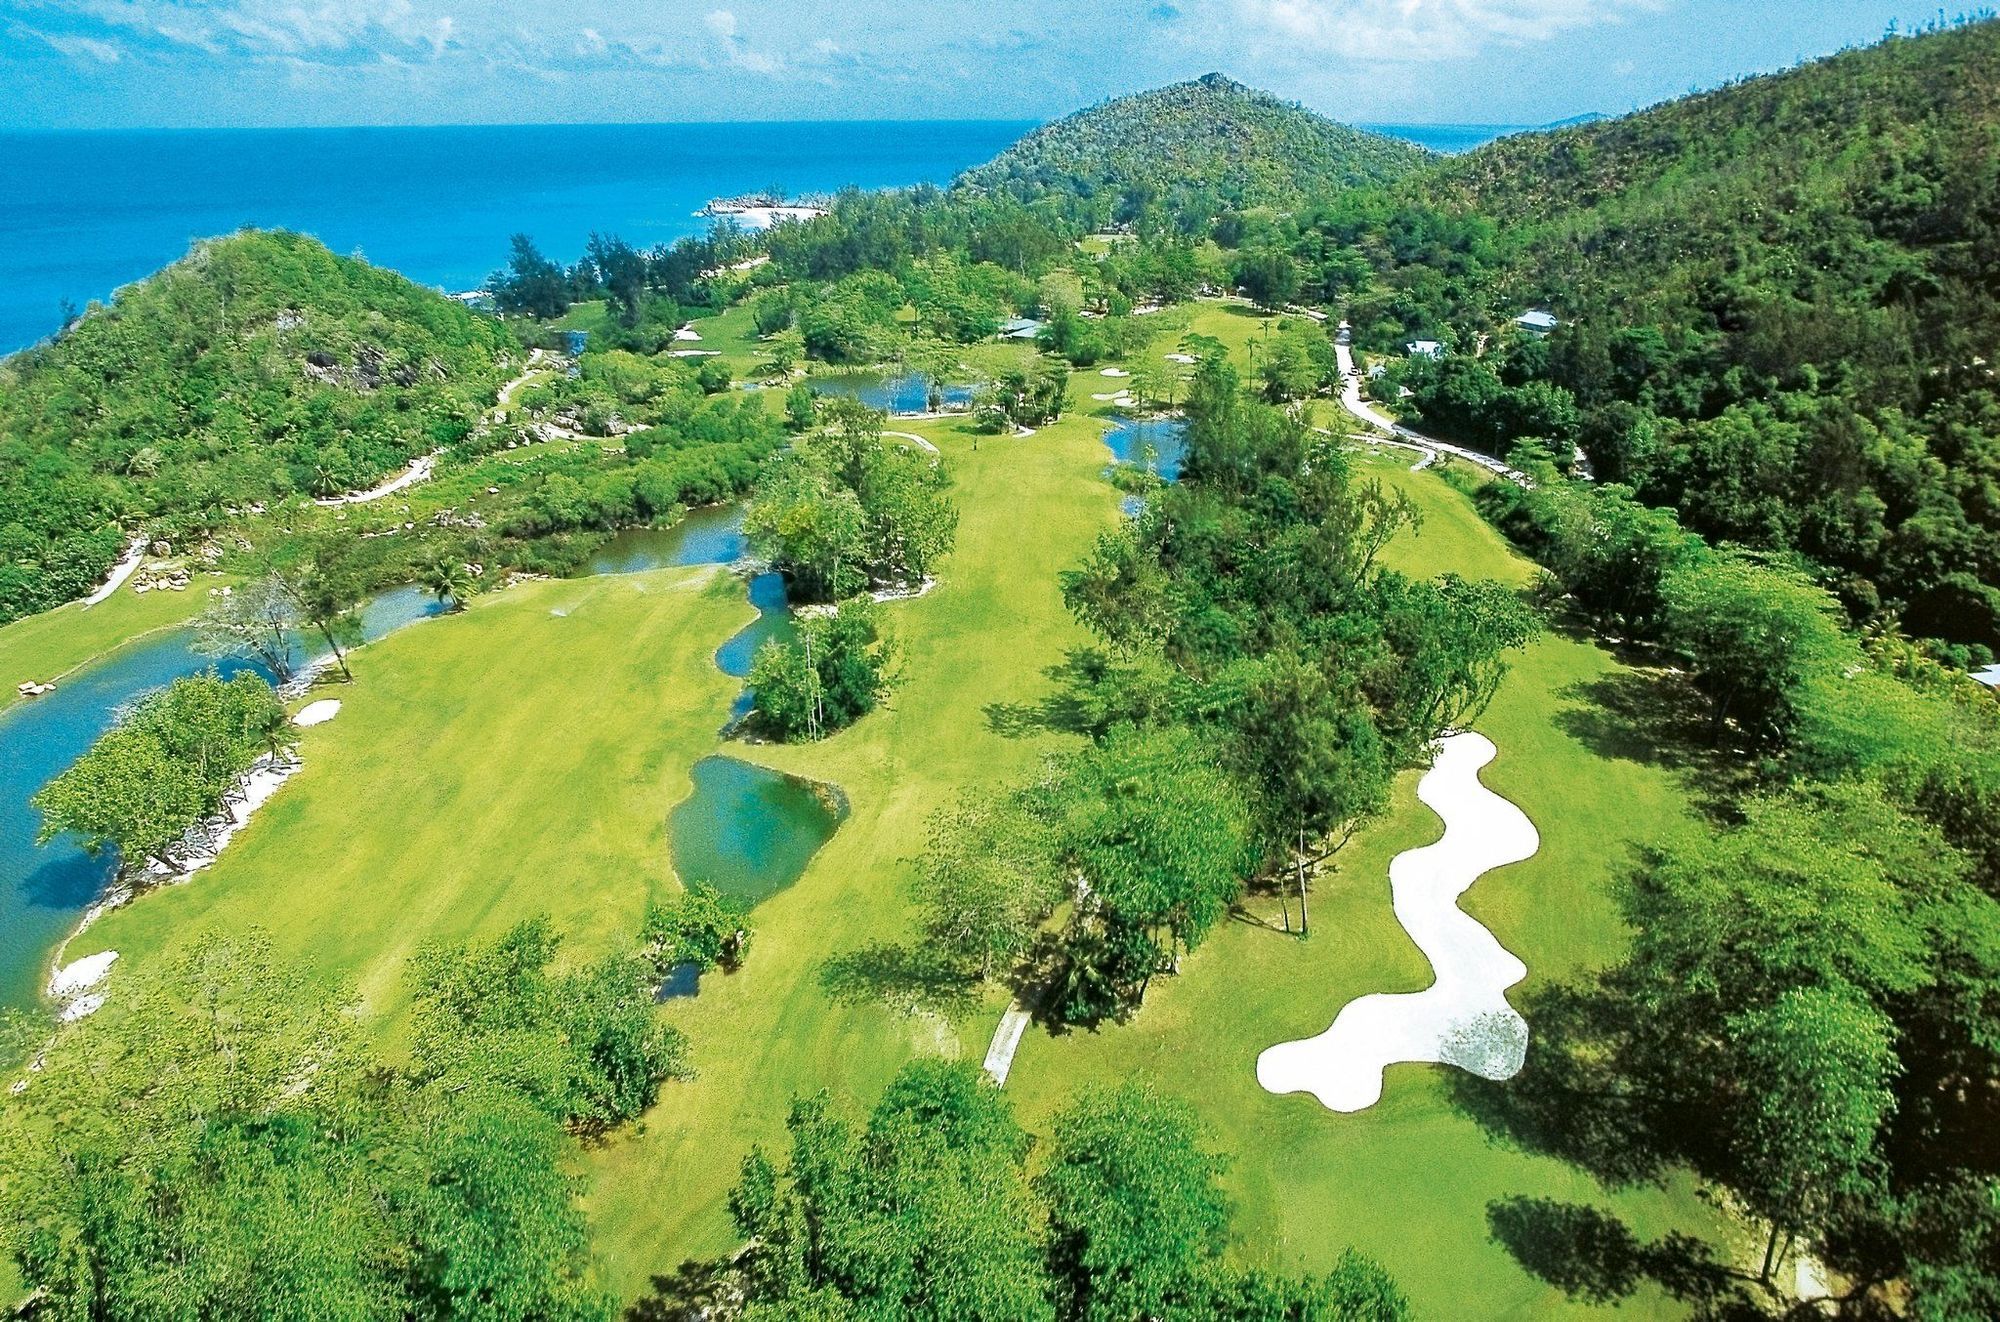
column 515, row 759
column 1029, row 507
column 54, row 643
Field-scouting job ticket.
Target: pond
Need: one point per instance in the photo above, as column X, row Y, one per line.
column 749, row 831
column 1129, row 438
column 711, row 535
column 907, row 392
column 45, row 888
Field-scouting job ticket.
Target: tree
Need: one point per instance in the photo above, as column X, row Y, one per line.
column 225, row 1148
column 700, row 926
column 1270, row 277
column 584, row 1046
column 984, row 881
column 784, row 349
column 1319, row 765
column 925, row 1216
column 448, row 578
column 801, row 407
column 1136, row 1210
column 256, row 620
column 127, row 792
column 837, row 669
column 530, row 283
column 150, row 779
column 1816, row 1066
column 1753, row 635
column 321, row 574
column 1159, row 840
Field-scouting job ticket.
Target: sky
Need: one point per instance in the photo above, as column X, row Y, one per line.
column 184, row 63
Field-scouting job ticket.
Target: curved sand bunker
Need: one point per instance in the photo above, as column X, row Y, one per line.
column 1463, row 1018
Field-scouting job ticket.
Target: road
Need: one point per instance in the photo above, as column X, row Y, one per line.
column 1351, row 400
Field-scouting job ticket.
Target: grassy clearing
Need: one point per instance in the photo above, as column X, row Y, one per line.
column 1029, row 508
column 56, row 642
column 515, row 759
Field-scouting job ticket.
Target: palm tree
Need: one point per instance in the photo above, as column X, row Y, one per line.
column 449, row 580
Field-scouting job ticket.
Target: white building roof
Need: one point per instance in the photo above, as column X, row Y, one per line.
column 1989, row 676
column 1425, row 348
column 1537, row 320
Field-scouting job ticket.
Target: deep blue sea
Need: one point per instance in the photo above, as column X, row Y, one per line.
column 82, row 213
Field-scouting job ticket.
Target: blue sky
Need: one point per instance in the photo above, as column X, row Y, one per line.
column 96, row 63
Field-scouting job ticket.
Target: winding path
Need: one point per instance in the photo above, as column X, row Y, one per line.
column 1463, row 1017
column 420, row 468
column 121, row 571
column 1350, row 399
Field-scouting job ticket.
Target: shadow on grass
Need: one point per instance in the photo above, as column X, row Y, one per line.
column 1592, row 1256
column 905, row 978
column 1655, row 718
column 1571, row 1099
column 696, row 1291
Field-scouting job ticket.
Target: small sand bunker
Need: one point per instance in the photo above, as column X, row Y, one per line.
column 1463, row 1018
column 1114, row 371
column 81, row 975
column 317, row 713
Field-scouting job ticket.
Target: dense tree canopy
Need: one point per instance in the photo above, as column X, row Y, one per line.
column 258, row 366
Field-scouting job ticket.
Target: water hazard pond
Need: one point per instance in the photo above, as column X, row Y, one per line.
column 749, row 831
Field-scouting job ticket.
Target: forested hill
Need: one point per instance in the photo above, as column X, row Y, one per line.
column 258, row 366
column 1196, row 148
column 1782, row 310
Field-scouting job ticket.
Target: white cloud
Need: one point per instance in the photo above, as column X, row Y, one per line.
column 1418, row 30
column 76, row 47
column 722, row 23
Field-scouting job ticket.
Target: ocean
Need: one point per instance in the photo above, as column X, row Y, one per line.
column 82, row 213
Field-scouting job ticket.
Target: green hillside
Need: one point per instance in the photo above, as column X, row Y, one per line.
column 1194, row 147
column 258, row 366
column 1780, row 311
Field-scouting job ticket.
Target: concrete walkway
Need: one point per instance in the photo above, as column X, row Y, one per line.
column 119, row 573
column 1006, row 1041
column 1463, row 1017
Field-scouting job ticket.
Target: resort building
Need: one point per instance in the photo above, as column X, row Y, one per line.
column 1537, row 321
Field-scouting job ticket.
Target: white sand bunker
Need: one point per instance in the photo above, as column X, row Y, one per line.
column 1463, row 1018
column 317, row 713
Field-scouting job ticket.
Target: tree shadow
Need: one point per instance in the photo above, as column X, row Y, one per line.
column 1571, row 1099
column 1093, row 691
column 1654, row 718
column 1586, row 1253
column 695, row 1292
column 1592, row 1256
column 908, row 979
